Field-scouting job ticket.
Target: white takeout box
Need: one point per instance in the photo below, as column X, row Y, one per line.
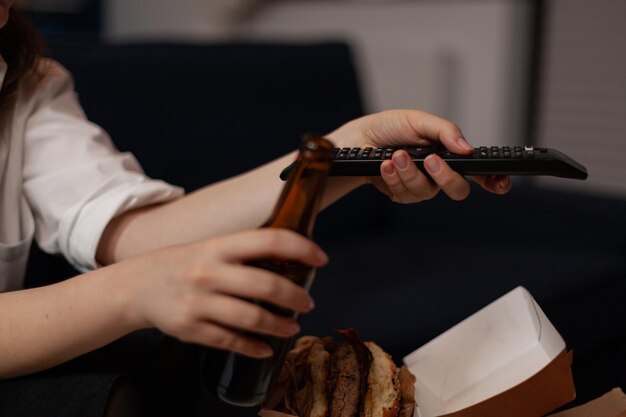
column 505, row 360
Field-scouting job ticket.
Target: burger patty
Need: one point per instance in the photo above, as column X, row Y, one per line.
column 345, row 377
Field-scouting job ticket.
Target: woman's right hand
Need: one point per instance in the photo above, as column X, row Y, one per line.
column 199, row 292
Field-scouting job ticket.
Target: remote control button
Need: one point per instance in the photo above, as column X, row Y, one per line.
column 447, row 155
column 451, row 156
column 343, row 153
column 529, row 151
column 418, row 152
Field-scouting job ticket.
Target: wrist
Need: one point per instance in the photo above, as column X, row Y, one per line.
column 340, row 186
column 126, row 290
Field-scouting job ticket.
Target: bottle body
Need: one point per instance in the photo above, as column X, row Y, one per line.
column 244, row 381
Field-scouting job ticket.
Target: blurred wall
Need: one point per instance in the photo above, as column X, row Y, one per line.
column 180, row 19
column 465, row 60
column 581, row 100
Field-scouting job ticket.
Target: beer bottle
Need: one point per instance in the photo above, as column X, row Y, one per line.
column 244, row 381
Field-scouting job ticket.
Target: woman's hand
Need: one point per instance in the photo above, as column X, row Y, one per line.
column 200, row 292
column 400, row 179
column 197, row 293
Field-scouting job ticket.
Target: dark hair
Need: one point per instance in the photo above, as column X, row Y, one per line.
column 20, row 46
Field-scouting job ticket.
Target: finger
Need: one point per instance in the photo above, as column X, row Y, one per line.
column 255, row 283
column 244, row 315
column 417, row 185
column 498, row 184
column 209, row 334
column 395, row 187
column 436, row 128
column 271, row 243
column 450, row 181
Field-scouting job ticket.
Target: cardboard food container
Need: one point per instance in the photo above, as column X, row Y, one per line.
column 611, row 404
column 505, row 360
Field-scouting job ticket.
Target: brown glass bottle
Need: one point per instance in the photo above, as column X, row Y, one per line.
column 244, row 381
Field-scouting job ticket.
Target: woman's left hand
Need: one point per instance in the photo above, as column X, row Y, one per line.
column 400, row 179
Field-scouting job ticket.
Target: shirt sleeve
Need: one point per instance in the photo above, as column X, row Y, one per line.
column 74, row 179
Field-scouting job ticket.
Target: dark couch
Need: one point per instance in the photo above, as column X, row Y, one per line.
column 194, row 114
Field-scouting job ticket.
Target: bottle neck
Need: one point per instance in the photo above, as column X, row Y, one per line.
column 300, row 200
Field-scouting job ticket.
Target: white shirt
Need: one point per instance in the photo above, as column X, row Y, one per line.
column 61, row 179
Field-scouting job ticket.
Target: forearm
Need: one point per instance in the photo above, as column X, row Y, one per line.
column 239, row 203
column 43, row 327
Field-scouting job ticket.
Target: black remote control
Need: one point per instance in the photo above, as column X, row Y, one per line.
column 494, row 160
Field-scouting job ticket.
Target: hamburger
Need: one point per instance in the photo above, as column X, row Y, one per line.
column 321, row 378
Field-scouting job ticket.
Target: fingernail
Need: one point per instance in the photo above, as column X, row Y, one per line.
column 504, row 183
column 323, row 258
column 264, row 350
column 389, row 169
column 292, row 329
column 310, row 305
column 400, row 161
column 432, row 164
column 463, row 144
